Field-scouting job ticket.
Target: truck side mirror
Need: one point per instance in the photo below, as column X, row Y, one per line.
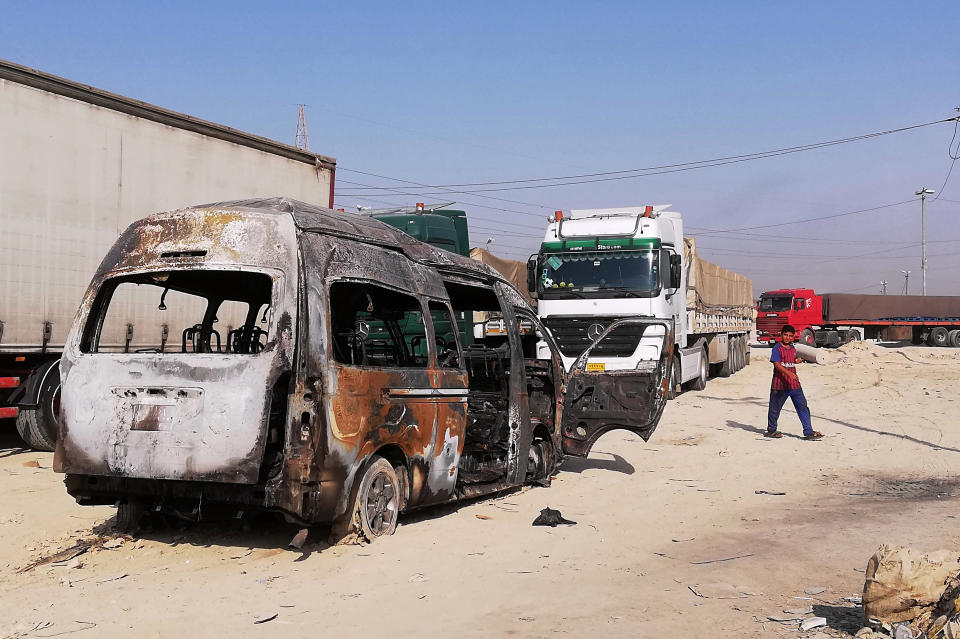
column 675, row 271
column 798, row 304
column 532, row 274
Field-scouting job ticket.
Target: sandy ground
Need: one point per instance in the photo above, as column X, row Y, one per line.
column 658, row 523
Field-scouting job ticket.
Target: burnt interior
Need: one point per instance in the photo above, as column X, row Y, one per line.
column 200, row 311
column 487, row 362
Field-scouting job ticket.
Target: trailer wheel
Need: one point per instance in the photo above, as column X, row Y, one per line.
column 741, row 354
column 38, row 427
column 953, row 338
column 725, row 368
column 808, row 337
column 938, row 337
column 673, row 386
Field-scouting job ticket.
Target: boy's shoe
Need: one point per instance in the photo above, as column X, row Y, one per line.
column 814, row 435
column 776, row 434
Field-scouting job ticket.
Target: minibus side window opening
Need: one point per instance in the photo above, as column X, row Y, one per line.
column 376, row 326
column 202, row 311
column 487, row 362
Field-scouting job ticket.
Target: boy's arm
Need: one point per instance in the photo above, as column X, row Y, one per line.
column 784, row 370
column 775, row 359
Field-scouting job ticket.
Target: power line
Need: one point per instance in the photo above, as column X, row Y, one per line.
column 604, row 176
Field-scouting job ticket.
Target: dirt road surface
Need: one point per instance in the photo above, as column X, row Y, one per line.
column 672, row 538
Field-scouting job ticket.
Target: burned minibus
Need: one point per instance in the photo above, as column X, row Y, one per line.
column 317, row 364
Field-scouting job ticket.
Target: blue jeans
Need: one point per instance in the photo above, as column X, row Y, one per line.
column 777, row 400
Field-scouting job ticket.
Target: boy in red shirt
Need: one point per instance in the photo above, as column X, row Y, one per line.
column 786, row 384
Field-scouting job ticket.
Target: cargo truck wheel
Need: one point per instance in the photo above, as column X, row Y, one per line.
column 938, row 337
column 738, row 343
column 953, row 338
column 725, row 369
column 808, row 337
column 699, row 382
column 38, row 426
column 673, row 385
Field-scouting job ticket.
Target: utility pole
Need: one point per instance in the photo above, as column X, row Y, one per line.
column 923, row 193
column 906, row 282
column 883, row 287
column 303, row 138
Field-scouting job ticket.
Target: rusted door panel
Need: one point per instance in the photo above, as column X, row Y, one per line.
column 376, row 407
column 451, row 401
column 598, row 402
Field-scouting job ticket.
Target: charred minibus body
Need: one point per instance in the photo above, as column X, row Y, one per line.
column 311, row 363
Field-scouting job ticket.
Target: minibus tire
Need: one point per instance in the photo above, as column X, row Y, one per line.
column 377, row 512
column 129, row 516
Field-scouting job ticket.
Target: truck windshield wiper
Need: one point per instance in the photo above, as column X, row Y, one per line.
column 627, row 292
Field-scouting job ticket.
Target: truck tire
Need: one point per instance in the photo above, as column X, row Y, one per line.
column 699, row 382
column 38, row 426
column 938, row 337
column 953, row 338
column 726, row 367
column 741, row 353
column 808, row 337
column 673, row 384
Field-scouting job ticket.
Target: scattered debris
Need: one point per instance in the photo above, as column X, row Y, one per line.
column 768, row 492
column 813, row 622
column 64, row 555
column 814, row 590
column 717, row 591
column 677, row 541
column 265, row 618
column 299, row 539
column 117, row 578
column 33, row 463
column 39, row 631
column 550, row 517
column 855, row 599
column 113, row 543
column 418, row 577
column 242, row 555
column 483, row 516
column 799, row 611
column 716, row 561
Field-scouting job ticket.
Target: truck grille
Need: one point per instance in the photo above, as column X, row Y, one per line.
column 571, row 336
column 771, row 325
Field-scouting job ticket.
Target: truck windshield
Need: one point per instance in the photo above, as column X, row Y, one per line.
column 780, row 303
column 599, row 274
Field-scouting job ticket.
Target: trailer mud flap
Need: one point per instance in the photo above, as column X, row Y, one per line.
column 597, row 402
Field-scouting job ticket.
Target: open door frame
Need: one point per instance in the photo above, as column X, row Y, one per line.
column 597, row 402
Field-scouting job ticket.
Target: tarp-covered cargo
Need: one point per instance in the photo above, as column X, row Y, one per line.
column 839, row 307
column 714, row 289
column 515, row 272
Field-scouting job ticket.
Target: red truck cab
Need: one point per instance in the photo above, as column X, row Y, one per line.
column 799, row 307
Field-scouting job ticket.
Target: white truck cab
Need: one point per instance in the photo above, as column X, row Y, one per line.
column 596, row 266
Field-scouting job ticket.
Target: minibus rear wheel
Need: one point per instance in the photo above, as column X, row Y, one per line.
column 378, row 499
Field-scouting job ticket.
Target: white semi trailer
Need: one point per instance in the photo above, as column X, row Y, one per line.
column 77, row 165
column 596, row 266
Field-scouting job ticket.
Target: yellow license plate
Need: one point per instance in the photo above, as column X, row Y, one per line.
column 596, row 366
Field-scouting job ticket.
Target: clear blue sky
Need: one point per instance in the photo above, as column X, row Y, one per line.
column 449, row 92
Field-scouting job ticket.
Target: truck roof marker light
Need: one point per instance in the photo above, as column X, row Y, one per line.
column 648, row 211
column 419, row 207
column 557, row 216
